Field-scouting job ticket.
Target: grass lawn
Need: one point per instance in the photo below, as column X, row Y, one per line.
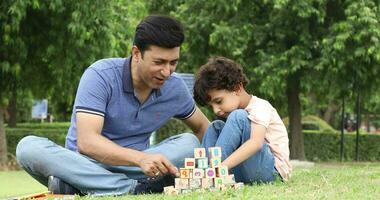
column 324, row 181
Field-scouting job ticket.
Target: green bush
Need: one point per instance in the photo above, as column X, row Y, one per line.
column 326, row 146
column 313, row 123
column 319, row 145
column 14, row 135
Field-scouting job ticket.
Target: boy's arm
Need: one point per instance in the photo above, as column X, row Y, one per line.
column 249, row 148
column 198, row 123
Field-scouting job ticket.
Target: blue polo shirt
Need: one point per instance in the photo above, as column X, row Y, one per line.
column 106, row 89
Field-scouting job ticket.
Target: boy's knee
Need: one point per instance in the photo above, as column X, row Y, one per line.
column 238, row 115
column 217, row 124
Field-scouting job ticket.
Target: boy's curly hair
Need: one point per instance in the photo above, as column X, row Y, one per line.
column 218, row 73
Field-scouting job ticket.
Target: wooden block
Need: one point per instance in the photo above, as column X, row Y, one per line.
column 207, row 183
column 181, row 183
column 210, row 173
column 170, row 190
column 185, row 173
column 222, row 171
column 215, row 162
column 195, row 183
column 198, row 173
column 189, row 163
column 230, row 179
column 218, row 182
column 238, row 186
column 199, row 153
column 215, row 152
column 202, row 163
column 184, row 191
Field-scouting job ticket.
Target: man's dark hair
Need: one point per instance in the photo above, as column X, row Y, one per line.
column 162, row 31
column 218, row 73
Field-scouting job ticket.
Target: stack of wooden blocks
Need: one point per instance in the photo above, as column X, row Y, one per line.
column 202, row 173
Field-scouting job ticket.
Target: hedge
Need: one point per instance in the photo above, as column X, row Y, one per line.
column 319, row 145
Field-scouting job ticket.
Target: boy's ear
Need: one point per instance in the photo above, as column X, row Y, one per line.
column 239, row 88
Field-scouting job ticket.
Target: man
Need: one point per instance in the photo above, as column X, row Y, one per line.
column 119, row 103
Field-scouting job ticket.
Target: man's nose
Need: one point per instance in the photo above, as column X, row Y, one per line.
column 166, row 71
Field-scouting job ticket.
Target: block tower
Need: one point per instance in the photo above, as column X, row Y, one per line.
column 203, row 173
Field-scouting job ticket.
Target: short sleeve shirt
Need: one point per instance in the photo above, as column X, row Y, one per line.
column 262, row 112
column 106, row 89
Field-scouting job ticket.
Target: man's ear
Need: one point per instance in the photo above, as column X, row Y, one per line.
column 135, row 53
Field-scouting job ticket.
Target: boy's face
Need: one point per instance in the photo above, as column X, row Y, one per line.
column 156, row 65
column 223, row 102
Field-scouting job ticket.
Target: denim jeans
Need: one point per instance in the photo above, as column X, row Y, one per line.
column 230, row 135
column 41, row 158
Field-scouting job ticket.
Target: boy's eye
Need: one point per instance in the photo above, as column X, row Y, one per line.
column 218, row 101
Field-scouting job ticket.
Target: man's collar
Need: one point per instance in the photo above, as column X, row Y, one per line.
column 127, row 78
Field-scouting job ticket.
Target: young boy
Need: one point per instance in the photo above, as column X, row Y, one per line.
column 253, row 138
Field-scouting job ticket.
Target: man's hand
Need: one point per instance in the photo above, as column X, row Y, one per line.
column 157, row 165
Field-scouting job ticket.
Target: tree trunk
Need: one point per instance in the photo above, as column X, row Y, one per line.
column 12, row 110
column 328, row 115
column 294, row 110
column 3, row 139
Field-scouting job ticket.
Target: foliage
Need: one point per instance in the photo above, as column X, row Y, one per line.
column 311, row 122
column 322, row 144
column 326, row 146
column 14, row 135
column 46, row 45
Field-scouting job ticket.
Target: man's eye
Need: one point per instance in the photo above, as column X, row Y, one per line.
column 218, row 102
column 157, row 62
column 174, row 62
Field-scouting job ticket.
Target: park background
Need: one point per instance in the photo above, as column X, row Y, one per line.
column 316, row 61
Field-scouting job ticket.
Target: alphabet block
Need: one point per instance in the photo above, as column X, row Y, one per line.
column 230, row 179
column 189, row 163
column 215, row 162
column 210, row 173
column 185, row 173
column 170, row 190
column 218, row 182
column 238, row 186
column 181, row 183
column 222, row 171
column 207, row 183
column 198, row 173
column 199, row 153
column 202, row 163
column 215, row 152
column 195, row 183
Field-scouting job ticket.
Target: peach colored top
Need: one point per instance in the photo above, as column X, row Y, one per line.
column 262, row 112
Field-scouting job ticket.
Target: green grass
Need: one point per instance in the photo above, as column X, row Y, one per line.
column 324, row 181
column 13, row 183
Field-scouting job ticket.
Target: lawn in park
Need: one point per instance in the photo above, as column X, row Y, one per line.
column 323, row 181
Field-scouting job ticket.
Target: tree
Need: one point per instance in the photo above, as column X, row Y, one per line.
column 46, row 45
column 274, row 41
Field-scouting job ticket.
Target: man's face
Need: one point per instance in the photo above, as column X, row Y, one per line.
column 223, row 102
column 156, row 65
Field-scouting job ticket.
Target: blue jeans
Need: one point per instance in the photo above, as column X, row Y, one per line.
column 230, row 135
column 41, row 158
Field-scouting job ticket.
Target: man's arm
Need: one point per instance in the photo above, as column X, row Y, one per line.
column 90, row 142
column 198, row 123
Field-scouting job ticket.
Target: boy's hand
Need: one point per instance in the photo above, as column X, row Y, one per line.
column 154, row 165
